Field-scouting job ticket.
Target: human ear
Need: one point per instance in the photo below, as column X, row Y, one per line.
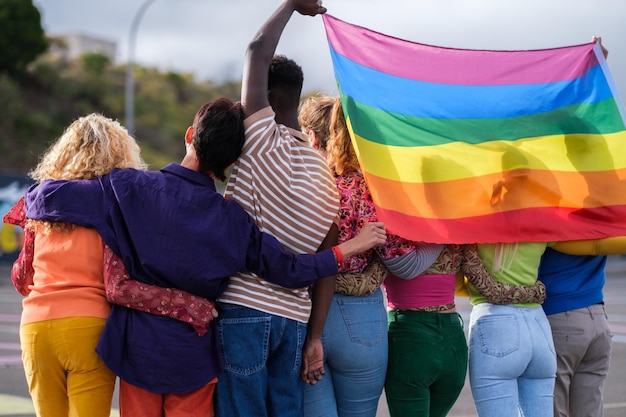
column 189, row 135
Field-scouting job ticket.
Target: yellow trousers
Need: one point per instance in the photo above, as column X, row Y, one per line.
column 65, row 375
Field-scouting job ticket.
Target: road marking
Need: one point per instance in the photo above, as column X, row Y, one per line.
column 12, row 359
column 13, row 405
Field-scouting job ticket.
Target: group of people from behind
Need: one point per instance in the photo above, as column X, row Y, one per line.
column 513, row 360
column 124, row 271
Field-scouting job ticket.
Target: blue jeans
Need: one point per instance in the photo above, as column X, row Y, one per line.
column 355, row 358
column 262, row 356
column 512, row 361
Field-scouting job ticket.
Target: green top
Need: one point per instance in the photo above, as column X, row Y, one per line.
column 519, row 263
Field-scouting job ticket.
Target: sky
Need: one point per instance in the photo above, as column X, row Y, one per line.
column 208, row 37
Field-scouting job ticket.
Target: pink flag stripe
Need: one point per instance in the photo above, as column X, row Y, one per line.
column 407, row 59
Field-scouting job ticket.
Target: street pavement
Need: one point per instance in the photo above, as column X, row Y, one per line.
column 15, row 400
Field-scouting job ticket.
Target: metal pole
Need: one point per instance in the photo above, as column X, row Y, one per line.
column 129, row 102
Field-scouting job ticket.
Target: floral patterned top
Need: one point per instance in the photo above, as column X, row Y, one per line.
column 120, row 289
column 362, row 274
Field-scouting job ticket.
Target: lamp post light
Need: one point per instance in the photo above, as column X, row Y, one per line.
column 129, row 102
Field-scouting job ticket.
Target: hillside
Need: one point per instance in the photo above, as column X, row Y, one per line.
column 37, row 107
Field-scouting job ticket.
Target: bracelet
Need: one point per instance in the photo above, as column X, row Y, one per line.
column 338, row 254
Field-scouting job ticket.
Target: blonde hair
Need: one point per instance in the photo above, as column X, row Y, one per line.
column 503, row 256
column 341, row 156
column 91, row 146
column 314, row 115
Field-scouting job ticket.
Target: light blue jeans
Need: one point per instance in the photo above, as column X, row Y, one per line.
column 355, row 359
column 262, row 357
column 512, row 361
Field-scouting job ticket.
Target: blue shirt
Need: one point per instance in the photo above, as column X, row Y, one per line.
column 171, row 228
column 572, row 281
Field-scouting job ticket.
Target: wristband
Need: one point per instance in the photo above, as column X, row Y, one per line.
column 338, row 254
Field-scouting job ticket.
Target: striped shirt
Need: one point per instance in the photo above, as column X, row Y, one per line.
column 286, row 186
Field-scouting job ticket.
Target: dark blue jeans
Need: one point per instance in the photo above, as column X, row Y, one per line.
column 262, row 356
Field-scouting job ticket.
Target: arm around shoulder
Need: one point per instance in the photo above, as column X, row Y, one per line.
column 606, row 246
column 79, row 202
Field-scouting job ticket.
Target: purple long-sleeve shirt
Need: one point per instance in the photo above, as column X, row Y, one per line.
column 171, row 228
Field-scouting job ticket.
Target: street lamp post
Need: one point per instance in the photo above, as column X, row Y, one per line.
column 129, row 102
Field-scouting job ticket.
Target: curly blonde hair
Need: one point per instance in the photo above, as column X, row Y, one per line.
column 91, row 146
column 314, row 116
column 341, row 156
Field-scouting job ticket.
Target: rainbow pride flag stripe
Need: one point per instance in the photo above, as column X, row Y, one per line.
column 463, row 146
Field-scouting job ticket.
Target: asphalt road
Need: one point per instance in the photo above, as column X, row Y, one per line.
column 15, row 401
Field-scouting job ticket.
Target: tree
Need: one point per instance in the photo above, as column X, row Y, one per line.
column 94, row 63
column 22, row 38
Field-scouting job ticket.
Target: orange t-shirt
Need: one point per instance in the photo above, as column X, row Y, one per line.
column 68, row 280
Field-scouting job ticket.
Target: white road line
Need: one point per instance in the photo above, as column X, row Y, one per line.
column 13, row 405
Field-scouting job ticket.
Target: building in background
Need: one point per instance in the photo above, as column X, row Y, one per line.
column 72, row 46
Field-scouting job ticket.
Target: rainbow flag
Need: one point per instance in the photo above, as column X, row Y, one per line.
column 461, row 146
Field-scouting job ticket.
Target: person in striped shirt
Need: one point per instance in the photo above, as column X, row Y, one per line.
column 286, row 186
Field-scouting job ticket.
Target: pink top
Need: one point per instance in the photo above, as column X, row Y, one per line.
column 421, row 291
column 434, row 290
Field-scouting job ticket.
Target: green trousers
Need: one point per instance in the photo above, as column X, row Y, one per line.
column 427, row 363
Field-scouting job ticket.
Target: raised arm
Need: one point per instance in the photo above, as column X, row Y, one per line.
column 494, row 291
column 170, row 302
column 254, row 88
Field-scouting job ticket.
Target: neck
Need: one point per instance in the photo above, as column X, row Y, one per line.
column 287, row 117
column 190, row 162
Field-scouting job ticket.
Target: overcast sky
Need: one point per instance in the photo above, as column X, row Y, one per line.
column 208, row 37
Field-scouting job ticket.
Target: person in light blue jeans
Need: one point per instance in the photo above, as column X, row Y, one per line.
column 345, row 352
column 512, row 361
column 355, row 344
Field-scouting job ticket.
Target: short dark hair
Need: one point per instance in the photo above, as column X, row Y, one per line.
column 284, row 83
column 218, row 135
column 285, row 73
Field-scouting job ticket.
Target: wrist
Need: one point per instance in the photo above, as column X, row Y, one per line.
column 313, row 337
column 338, row 254
column 348, row 248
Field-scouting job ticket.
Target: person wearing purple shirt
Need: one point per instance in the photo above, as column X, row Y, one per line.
column 171, row 228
